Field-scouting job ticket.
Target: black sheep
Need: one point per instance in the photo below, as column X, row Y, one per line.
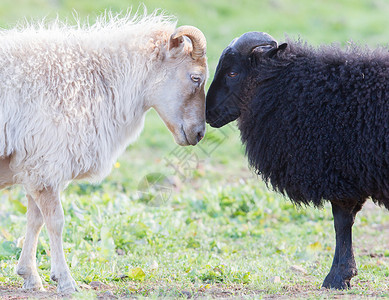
column 315, row 123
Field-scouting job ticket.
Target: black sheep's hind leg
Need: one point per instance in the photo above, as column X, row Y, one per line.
column 343, row 266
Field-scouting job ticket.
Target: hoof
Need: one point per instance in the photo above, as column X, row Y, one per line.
column 335, row 281
column 66, row 284
column 33, row 283
column 68, row 287
column 336, row 284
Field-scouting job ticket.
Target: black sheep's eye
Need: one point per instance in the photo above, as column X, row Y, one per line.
column 232, row 74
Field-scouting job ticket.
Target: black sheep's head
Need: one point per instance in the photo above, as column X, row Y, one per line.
column 224, row 98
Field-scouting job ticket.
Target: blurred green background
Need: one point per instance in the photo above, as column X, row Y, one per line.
column 319, row 21
column 217, row 224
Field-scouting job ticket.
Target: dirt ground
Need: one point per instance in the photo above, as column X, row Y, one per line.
column 216, row 291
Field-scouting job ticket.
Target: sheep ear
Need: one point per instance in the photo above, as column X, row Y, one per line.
column 274, row 51
column 176, row 44
column 258, row 52
column 265, row 51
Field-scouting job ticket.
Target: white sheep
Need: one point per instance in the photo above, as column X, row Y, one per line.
column 73, row 98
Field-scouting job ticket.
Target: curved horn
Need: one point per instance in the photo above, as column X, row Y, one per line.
column 196, row 36
column 250, row 40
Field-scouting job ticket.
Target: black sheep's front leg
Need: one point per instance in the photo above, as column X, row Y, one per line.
column 343, row 266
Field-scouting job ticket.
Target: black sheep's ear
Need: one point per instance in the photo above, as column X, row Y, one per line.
column 274, row 51
column 259, row 52
column 266, row 51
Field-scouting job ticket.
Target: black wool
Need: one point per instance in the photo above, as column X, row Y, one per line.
column 315, row 123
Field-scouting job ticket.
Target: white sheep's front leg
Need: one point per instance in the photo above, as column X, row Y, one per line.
column 26, row 267
column 49, row 203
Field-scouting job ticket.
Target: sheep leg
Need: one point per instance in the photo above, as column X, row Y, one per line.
column 26, row 267
column 343, row 266
column 50, row 205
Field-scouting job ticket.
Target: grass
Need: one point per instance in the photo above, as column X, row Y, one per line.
column 180, row 222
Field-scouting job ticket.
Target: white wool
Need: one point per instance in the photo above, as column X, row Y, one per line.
column 73, row 97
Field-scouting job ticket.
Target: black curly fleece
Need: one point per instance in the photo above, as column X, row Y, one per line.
column 316, row 123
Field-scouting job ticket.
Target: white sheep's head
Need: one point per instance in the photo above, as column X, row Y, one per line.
column 179, row 96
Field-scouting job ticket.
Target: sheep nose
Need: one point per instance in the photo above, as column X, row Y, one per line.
column 200, row 136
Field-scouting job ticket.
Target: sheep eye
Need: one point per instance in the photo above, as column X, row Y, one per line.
column 195, row 78
column 232, row 74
